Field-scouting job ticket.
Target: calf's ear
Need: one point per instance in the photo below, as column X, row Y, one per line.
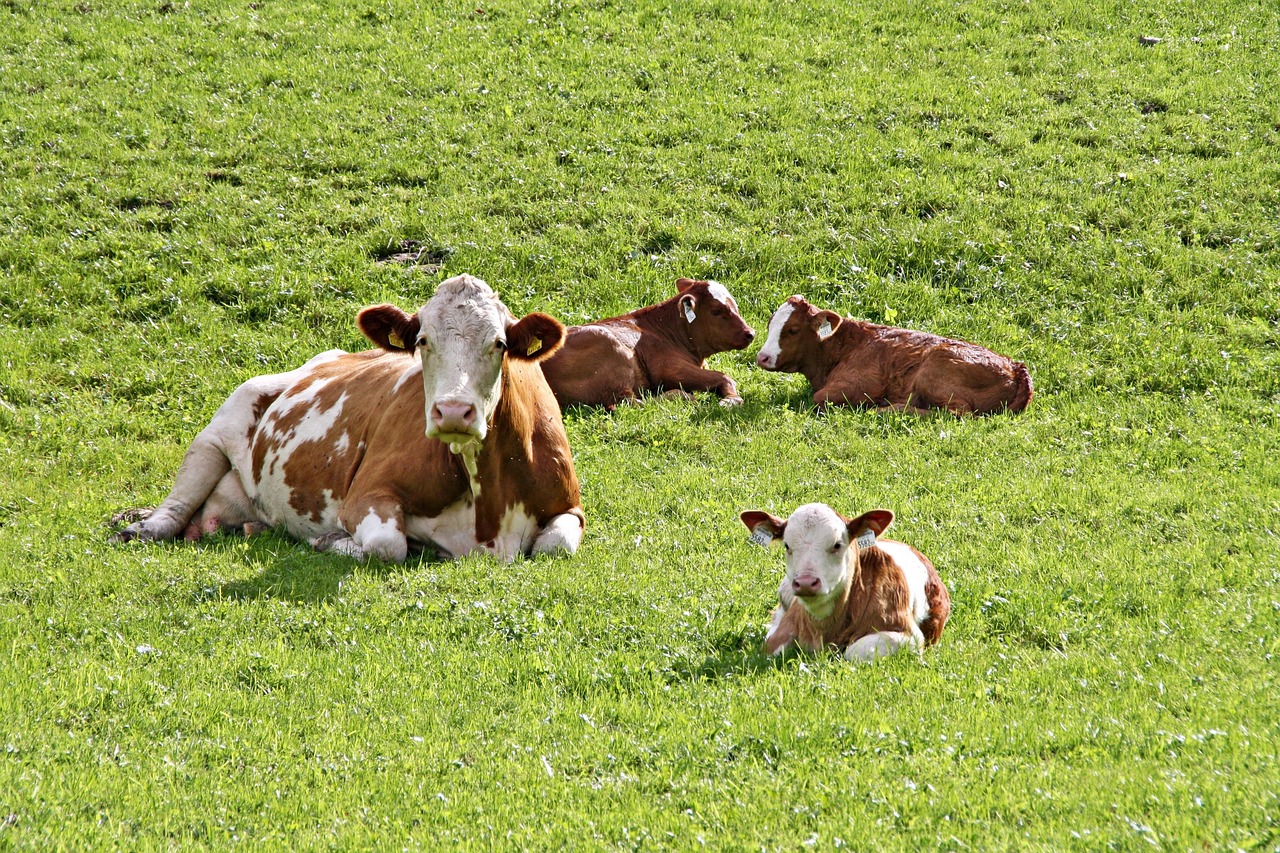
column 534, row 337
column 389, row 327
column 876, row 520
column 687, row 303
column 765, row 528
column 683, row 284
column 826, row 322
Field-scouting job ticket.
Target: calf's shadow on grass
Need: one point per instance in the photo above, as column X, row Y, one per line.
column 289, row 571
column 735, row 653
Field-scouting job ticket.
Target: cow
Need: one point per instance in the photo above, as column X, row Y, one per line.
column 656, row 349
column 446, row 435
column 848, row 589
column 857, row 363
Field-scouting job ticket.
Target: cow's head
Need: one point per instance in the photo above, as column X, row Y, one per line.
column 796, row 331
column 463, row 336
column 711, row 316
column 822, row 549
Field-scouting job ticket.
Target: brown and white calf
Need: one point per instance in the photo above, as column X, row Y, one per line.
column 864, row 364
column 446, row 435
column 847, row 588
column 659, row 348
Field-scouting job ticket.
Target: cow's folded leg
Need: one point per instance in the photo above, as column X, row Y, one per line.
column 562, row 535
column 203, row 467
column 376, row 528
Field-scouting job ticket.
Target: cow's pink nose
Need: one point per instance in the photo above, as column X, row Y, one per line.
column 804, row 585
column 764, row 360
column 453, row 416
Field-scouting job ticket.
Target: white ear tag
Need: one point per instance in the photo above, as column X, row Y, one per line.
column 761, row 536
column 688, row 312
column 865, row 540
column 825, row 331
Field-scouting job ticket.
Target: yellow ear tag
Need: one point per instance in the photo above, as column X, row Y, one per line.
column 534, row 346
column 394, row 339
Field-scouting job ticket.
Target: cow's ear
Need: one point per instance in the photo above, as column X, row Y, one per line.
column 534, row 337
column 389, row 327
column 683, row 284
column 876, row 520
column 826, row 322
column 765, row 528
column 687, row 303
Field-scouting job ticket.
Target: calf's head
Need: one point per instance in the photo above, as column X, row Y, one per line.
column 712, row 318
column 822, row 550
column 796, row 331
column 463, row 336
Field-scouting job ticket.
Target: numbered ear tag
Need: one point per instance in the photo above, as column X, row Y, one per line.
column 534, row 346
column 761, row 536
column 688, row 312
column 825, row 331
column 865, row 540
column 394, row 339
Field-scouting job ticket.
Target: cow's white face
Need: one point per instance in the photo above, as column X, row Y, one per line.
column 462, row 337
column 822, row 551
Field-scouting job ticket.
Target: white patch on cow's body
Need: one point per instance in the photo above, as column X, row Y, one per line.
column 272, row 493
column 768, row 357
column 454, row 531
column 915, row 572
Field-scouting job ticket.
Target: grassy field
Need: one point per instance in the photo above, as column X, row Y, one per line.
column 193, row 192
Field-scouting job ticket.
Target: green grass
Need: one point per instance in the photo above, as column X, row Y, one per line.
column 195, row 193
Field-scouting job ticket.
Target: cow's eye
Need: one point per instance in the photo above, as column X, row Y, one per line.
column 421, row 342
column 835, row 549
column 500, row 345
column 786, row 333
column 788, row 547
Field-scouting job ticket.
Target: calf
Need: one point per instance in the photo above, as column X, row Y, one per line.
column 853, row 362
column 846, row 588
column 445, row 435
column 663, row 347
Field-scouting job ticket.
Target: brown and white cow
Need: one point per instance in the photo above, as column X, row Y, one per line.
column 846, row 588
column 662, row 347
column 446, row 435
column 864, row 364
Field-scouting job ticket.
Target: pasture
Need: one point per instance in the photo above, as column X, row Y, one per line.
column 193, row 192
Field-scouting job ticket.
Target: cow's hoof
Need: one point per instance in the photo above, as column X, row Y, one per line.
column 131, row 516
column 730, row 402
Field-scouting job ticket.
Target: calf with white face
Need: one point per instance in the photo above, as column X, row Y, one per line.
column 847, row 588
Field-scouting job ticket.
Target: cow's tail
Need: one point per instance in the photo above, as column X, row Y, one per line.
column 1022, row 391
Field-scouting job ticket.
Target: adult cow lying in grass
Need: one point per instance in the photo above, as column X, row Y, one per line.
column 659, row 348
column 846, row 588
column 446, row 435
column 863, row 364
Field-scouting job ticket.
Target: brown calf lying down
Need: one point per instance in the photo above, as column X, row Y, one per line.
column 663, row 347
column 862, row 364
column 845, row 588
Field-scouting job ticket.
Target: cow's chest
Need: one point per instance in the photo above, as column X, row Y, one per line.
column 454, row 531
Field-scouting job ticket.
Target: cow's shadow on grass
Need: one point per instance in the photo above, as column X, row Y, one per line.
column 291, row 571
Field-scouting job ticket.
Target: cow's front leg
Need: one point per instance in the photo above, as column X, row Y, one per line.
column 562, row 535
column 372, row 529
column 693, row 378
